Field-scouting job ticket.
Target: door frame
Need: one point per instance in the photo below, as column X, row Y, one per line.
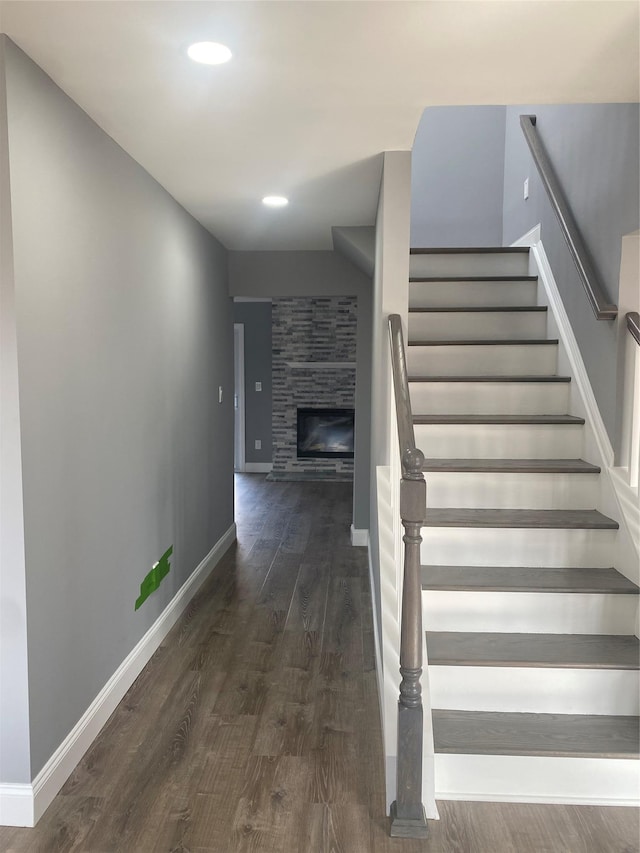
column 239, row 451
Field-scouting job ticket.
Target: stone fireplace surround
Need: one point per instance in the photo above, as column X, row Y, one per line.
column 314, row 360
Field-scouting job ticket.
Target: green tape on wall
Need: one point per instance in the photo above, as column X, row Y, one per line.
column 155, row 577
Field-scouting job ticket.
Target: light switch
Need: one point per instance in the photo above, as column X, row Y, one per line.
column 526, row 188
column 258, row 386
column 219, row 393
column 257, row 444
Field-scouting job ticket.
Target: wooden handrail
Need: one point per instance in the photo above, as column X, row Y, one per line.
column 633, row 325
column 408, row 818
column 596, row 294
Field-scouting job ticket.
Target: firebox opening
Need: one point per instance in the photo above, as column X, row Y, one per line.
column 325, row 433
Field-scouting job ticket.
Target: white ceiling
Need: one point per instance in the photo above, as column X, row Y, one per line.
column 315, row 92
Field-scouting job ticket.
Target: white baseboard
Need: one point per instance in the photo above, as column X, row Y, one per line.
column 359, row 537
column 258, row 467
column 16, row 805
column 23, row 805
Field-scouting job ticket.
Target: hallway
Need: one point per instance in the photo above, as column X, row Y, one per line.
column 255, row 726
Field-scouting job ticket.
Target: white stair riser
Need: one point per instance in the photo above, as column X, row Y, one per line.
column 500, row 441
column 535, row 690
column 512, row 491
column 481, row 546
column 483, row 360
column 531, row 779
column 471, row 264
column 477, row 325
column 433, row 294
column 489, row 398
column 529, row 612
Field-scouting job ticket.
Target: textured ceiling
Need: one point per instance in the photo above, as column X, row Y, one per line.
column 315, row 92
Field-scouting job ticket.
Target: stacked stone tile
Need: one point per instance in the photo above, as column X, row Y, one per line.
column 313, row 329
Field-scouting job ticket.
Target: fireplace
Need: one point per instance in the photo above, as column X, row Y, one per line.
column 325, row 433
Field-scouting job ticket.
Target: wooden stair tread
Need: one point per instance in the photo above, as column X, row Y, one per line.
column 520, row 518
column 469, row 250
column 479, row 309
column 495, row 378
column 561, row 735
column 429, row 279
column 558, row 651
column 516, row 466
column 498, row 419
column 488, row 342
column 526, row 579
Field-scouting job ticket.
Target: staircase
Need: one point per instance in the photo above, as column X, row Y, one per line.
column 533, row 663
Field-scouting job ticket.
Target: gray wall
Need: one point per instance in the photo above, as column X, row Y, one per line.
column 15, row 765
column 594, row 150
column 456, row 177
column 390, row 296
column 320, row 273
column 256, row 318
column 358, row 244
column 124, row 327
column 312, row 273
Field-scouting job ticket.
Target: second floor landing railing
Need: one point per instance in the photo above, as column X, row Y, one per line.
column 602, row 308
column 407, row 812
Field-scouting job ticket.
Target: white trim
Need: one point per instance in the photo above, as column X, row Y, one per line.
column 359, row 537
column 573, row 353
column 537, row 779
column 473, row 796
column 628, row 499
column 239, row 430
column 617, row 499
column 376, row 639
column 258, row 467
column 31, row 801
column 531, row 238
column 16, row 805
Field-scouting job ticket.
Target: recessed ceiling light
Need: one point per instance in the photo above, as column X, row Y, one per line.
column 209, row 53
column 275, row 201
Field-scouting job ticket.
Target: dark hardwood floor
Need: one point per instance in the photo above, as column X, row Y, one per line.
column 255, row 726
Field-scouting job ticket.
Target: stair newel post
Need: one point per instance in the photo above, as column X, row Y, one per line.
column 407, row 812
column 408, row 819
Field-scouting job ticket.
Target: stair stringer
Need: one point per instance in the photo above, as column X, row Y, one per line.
column 597, row 447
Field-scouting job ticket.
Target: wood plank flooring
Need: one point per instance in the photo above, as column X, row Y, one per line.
column 255, row 726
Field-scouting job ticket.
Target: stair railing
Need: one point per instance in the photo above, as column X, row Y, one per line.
column 408, row 818
column 596, row 294
column 633, row 325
